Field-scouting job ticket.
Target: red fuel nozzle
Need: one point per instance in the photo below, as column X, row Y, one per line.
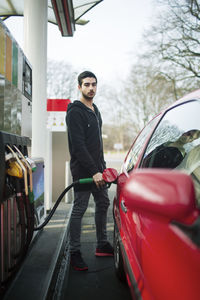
column 110, row 175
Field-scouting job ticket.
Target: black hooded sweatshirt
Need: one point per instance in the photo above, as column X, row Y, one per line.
column 85, row 140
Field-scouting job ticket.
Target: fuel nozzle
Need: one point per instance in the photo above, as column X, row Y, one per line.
column 110, row 175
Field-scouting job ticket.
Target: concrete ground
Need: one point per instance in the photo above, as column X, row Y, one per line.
column 100, row 281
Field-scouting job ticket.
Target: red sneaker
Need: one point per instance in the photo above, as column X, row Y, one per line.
column 77, row 261
column 106, row 250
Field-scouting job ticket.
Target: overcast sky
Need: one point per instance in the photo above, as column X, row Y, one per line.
column 106, row 45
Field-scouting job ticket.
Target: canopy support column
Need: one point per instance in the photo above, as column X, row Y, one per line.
column 35, row 48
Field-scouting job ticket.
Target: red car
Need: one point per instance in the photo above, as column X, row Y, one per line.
column 156, row 207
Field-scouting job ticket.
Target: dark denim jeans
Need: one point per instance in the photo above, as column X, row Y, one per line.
column 80, row 205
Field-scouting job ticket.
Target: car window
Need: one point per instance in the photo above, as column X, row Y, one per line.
column 175, row 143
column 136, row 148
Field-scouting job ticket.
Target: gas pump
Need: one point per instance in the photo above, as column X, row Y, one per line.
column 13, row 186
column 15, row 130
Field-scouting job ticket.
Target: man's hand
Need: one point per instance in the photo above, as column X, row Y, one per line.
column 98, row 179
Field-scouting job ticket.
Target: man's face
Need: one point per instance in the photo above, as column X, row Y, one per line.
column 190, row 136
column 88, row 88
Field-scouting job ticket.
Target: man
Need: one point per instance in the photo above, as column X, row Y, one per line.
column 86, row 148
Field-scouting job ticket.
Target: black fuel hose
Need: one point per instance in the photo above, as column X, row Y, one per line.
column 52, row 211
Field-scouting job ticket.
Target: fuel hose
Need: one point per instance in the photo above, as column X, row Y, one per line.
column 52, row 211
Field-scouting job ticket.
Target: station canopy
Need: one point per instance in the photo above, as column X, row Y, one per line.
column 64, row 13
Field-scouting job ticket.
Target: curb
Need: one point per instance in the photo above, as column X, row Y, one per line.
column 61, row 270
column 38, row 274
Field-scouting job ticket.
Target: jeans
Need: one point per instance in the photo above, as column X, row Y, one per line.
column 80, row 205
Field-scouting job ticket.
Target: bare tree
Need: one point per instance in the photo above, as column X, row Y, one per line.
column 174, row 41
column 61, row 80
column 147, row 91
column 127, row 110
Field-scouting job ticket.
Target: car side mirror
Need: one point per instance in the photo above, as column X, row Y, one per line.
column 162, row 192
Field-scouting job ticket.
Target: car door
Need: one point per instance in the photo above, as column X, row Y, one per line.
column 168, row 258
column 129, row 221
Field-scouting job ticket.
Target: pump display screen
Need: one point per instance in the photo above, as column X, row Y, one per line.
column 38, row 191
column 27, row 76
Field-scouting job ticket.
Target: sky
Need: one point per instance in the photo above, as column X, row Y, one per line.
column 106, row 45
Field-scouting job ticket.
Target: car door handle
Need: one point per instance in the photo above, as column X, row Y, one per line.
column 123, row 206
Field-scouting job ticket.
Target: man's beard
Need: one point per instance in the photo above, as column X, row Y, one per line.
column 89, row 98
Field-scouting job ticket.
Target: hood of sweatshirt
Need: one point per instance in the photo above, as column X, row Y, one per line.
column 79, row 104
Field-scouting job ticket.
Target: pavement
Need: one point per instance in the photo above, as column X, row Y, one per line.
column 99, row 281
